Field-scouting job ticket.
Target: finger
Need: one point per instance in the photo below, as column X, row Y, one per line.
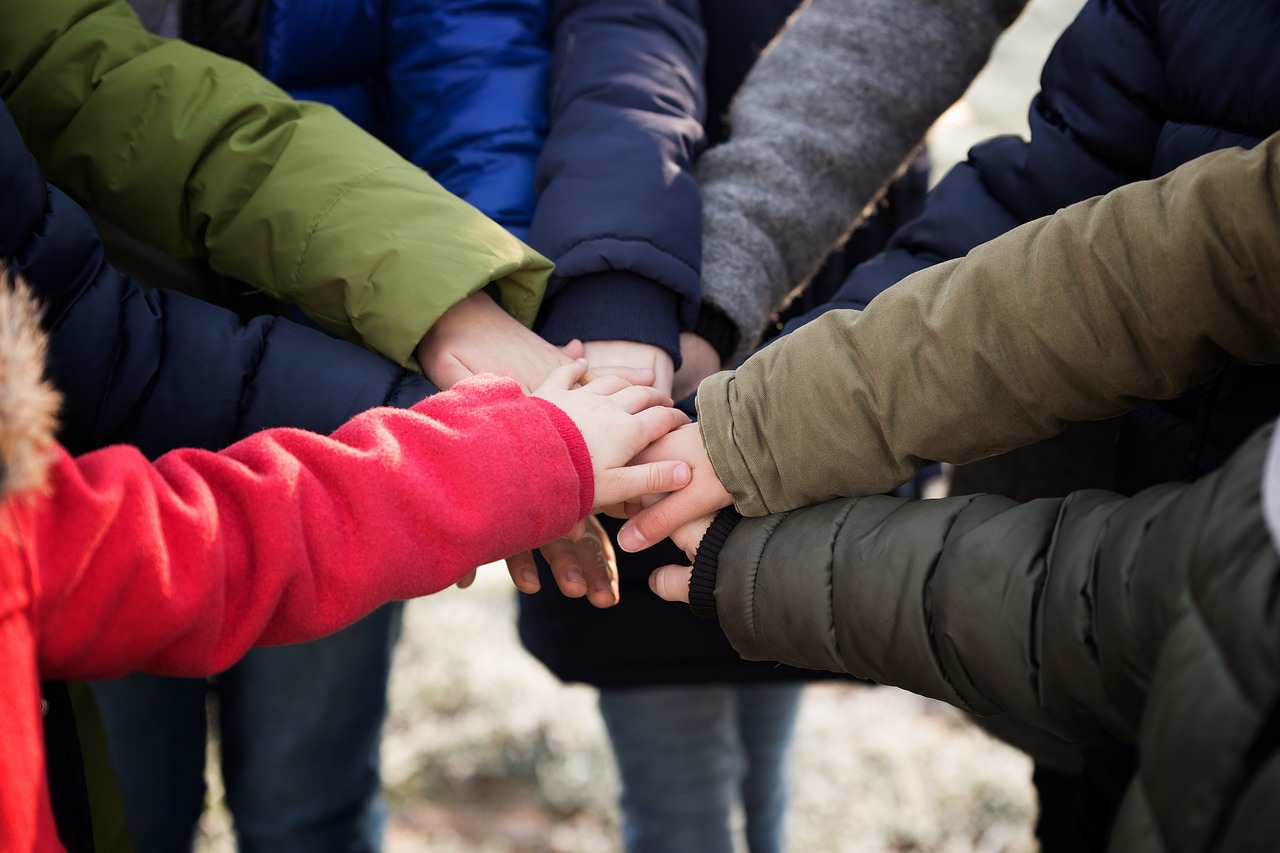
column 524, row 572
column 633, row 375
column 575, row 349
column 618, row 485
column 671, row 583
column 566, row 568
column 637, row 398
column 657, row 522
column 606, row 384
column 565, row 376
column 600, row 565
column 657, row 421
column 466, row 580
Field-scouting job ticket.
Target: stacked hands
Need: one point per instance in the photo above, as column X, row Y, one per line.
column 648, row 459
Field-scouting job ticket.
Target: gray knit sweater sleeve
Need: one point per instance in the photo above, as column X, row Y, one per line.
column 828, row 115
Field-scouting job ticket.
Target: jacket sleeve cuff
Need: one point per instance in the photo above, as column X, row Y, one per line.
column 615, row 306
column 578, row 453
column 706, row 564
column 715, row 327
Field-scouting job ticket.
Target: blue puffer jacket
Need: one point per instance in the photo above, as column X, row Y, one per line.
column 458, row 88
column 1132, row 89
column 618, row 206
column 160, row 370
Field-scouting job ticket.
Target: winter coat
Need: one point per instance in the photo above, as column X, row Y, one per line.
column 1131, row 90
column 1148, row 620
column 617, row 203
column 369, row 245
column 459, row 89
column 179, row 567
column 160, row 370
column 930, row 370
column 641, row 642
column 826, row 116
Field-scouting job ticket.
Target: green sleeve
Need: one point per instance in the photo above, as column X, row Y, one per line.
column 200, row 156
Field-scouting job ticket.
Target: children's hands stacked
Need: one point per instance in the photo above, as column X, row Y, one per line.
column 617, row 420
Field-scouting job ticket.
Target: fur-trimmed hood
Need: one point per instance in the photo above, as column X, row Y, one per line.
column 28, row 402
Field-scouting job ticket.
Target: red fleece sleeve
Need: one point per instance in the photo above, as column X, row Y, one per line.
column 181, row 566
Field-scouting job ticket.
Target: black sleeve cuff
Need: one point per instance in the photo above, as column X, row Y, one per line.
column 718, row 330
column 706, row 563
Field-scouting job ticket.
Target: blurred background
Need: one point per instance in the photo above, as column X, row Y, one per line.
column 485, row 751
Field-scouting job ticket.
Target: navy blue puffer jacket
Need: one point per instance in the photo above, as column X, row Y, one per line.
column 160, row 370
column 1131, row 90
column 619, row 210
column 458, row 88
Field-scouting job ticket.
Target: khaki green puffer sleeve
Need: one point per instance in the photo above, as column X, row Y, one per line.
column 199, row 155
column 1133, row 296
column 1150, row 620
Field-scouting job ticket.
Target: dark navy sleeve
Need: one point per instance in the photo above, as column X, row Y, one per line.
column 618, row 208
column 1094, row 126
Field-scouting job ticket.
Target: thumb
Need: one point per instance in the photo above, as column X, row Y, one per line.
column 671, row 583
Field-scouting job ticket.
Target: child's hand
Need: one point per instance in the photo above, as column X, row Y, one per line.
column 672, row 582
column 704, row 495
column 617, row 421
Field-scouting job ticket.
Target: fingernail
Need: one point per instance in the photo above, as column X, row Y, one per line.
column 602, row 585
column 682, row 474
column 629, row 539
column 575, row 575
column 529, row 576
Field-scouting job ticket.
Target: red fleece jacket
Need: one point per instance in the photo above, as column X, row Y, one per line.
column 180, row 566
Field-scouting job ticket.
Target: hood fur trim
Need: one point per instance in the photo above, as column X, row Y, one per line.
column 28, row 403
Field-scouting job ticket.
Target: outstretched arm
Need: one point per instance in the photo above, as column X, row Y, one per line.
column 1169, row 278
column 181, row 566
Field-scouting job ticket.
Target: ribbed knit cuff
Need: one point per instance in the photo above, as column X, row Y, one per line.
column 706, row 563
column 715, row 327
column 579, row 453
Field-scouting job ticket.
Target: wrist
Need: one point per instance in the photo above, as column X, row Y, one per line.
column 706, row 563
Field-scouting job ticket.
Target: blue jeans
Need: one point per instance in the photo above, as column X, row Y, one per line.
column 687, row 756
column 299, row 726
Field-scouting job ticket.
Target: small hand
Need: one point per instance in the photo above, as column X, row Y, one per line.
column 477, row 336
column 618, row 420
column 704, row 494
column 698, row 360
column 632, row 361
column 672, row 582
column 585, row 566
